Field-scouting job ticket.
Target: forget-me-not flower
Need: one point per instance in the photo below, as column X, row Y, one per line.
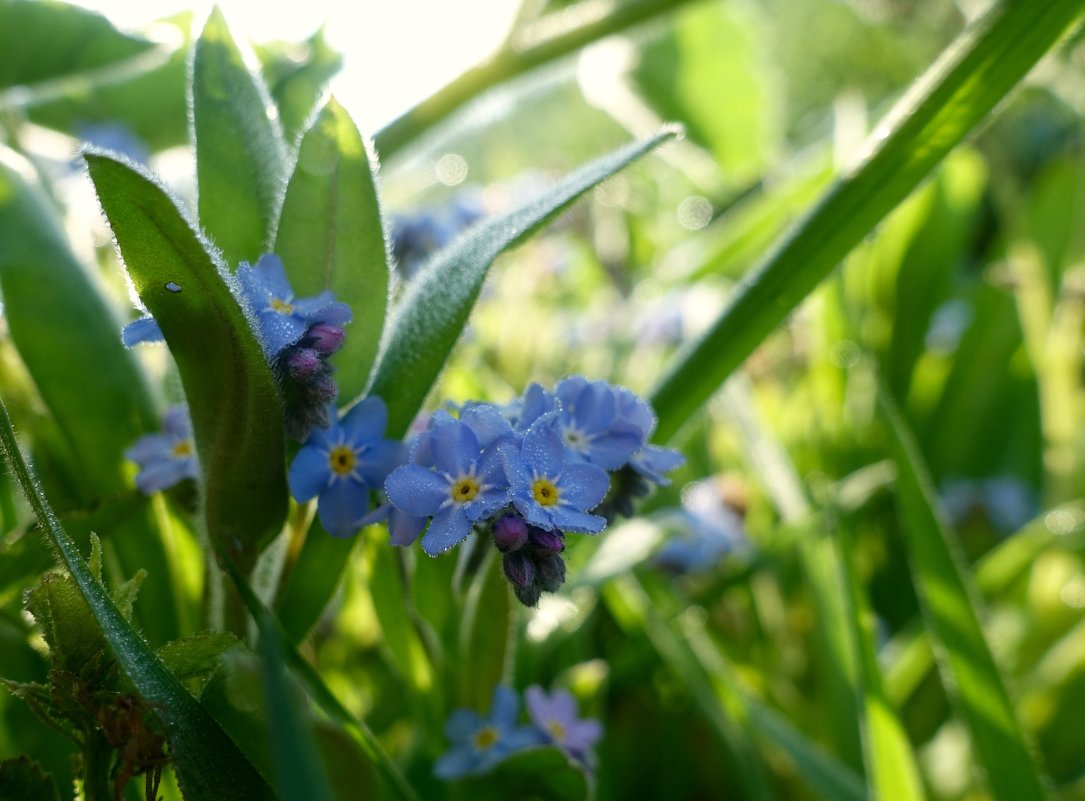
column 548, row 487
column 555, row 717
column 465, row 486
column 342, row 464
column 590, row 425
column 284, row 319
column 649, row 461
column 165, row 459
column 479, row 743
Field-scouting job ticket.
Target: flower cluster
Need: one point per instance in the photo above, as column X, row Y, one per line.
column 480, row 743
column 708, row 527
column 168, row 458
column 529, row 473
column 420, row 234
column 297, row 335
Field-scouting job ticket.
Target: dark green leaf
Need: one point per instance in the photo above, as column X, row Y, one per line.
column 945, row 104
column 301, row 775
column 312, row 581
column 970, row 675
column 45, row 41
column 208, row 764
column 434, row 309
column 330, row 236
column 195, row 657
column 232, row 396
column 66, row 334
column 240, row 155
column 484, row 634
column 22, row 779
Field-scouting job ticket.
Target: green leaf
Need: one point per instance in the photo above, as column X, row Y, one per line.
column 232, row 396
column 296, row 77
column 301, row 776
column 147, row 99
column 67, row 335
column 240, row 155
column 194, row 658
column 330, row 236
column 539, row 774
column 975, row 73
column 970, row 675
column 435, row 307
column 312, row 581
column 208, row 764
column 484, row 633
column 22, row 779
column 46, row 41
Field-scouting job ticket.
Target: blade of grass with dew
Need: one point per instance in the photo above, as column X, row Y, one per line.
column 208, row 764
column 951, row 614
column 232, row 395
column 973, row 75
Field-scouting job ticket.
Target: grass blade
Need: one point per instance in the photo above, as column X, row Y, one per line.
column 969, row 672
column 973, row 75
column 208, row 764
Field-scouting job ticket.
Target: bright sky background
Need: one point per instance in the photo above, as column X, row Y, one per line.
column 396, row 52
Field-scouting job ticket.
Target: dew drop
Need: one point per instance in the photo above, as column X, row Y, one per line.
column 172, row 287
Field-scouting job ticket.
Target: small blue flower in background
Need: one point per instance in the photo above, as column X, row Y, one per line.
column 284, row 319
column 342, row 465
column 116, row 136
column 1004, row 502
column 708, row 527
column 549, row 487
column 168, row 458
column 418, row 235
column 466, row 486
column 555, row 717
column 479, row 743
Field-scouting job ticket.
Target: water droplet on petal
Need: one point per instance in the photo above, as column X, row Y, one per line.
column 172, row 287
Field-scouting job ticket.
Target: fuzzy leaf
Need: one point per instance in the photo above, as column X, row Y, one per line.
column 330, row 236
column 240, row 155
column 232, row 396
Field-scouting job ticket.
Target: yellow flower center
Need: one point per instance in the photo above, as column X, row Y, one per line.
column 464, row 489
column 281, row 306
column 342, row 460
column 182, row 448
column 557, row 731
column 486, row 738
column 545, row 492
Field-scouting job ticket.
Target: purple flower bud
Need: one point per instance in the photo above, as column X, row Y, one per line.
column 528, row 596
column 550, row 572
column 302, row 363
column 325, row 338
column 324, row 389
column 510, row 533
column 519, row 569
column 546, row 542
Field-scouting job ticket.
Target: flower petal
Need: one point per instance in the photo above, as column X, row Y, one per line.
column 456, row 763
column 279, row 331
column 162, row 475
column 583, row 486
column 449, row 528
column 505, row 706
column 150, row 448
column 145, row 329
column 416, row 490
column 309, row 473
column 543, row 451
column 405, row 528
column 454, row 447
column 572, row 520
column 341, row 505
column 366, row 421
column 377, row 462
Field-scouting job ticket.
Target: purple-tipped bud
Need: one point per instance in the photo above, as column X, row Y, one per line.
column 325, row 338
column 519, row 569
column 550, row 573
column 510, row 533
column 546, row 542
column 324, row 389
column 303, row 363
column 528, row 596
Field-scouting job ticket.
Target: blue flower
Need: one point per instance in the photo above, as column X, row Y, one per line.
column 284, row 319
column 555, row 717
column 168, row 458
column 708, row 528
column 342, row 464
column 465, row 486
column 548, row 487
column 479, row 743
column 649, row 461
column 590, row 424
